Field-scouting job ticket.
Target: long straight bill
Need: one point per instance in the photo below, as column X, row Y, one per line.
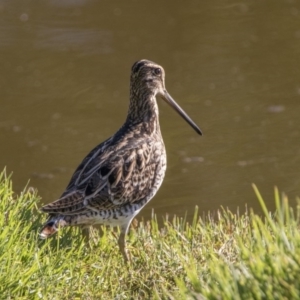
column 166, row 96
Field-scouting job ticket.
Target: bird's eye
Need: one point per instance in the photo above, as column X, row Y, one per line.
column 157, row 71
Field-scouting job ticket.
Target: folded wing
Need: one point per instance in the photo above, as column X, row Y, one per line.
column 107, row 179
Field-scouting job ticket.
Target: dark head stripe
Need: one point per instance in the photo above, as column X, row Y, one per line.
column 136, row 66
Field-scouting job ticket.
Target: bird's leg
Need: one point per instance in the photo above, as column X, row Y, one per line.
column 122, row 242
column 90, row 233
column 86, row 233
column 100, row 229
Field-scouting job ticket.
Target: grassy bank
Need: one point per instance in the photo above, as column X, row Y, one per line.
column 234, row 257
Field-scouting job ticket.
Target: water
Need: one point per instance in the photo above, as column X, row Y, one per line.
column 232, row 66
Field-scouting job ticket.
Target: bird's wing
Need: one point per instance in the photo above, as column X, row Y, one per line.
column 109, row 178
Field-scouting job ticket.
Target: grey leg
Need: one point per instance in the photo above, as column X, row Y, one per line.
column 86, row 233
column 122, row 242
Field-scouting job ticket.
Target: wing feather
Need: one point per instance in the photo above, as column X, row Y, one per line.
column 107, row 178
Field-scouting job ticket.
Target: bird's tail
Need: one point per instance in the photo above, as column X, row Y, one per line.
column 52, row 226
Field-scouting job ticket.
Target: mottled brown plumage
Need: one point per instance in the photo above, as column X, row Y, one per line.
column 122, row 174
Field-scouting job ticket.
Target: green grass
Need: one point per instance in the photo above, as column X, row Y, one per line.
column 230, row 257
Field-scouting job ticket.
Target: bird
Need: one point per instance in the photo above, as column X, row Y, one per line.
column 122, row 174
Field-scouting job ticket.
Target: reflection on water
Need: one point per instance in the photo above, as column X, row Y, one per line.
column 232, row 66
column 67, row 39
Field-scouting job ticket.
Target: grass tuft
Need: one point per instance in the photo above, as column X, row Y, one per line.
column 229, row 257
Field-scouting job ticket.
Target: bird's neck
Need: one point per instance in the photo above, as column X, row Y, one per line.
column 143, row 112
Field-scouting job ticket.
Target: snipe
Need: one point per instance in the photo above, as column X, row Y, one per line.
column 122, row 174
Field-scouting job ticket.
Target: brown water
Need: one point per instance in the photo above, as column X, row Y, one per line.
column 233, row 66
